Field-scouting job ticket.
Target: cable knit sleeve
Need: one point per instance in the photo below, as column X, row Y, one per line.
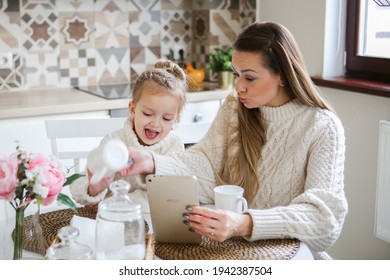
column 316, row 215
column 79, row 191
column 203, row 158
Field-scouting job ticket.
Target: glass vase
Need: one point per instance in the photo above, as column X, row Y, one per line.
column 33, row 236
column 18, row 233
column 27, row 236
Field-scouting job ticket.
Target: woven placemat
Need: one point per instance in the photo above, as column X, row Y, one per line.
column 235, row 248
column 52, row 222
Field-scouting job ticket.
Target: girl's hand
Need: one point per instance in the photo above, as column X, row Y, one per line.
column 218, row 224
column 142, row 162
column 94, row 189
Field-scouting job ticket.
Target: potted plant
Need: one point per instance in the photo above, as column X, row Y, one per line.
column 221, row 63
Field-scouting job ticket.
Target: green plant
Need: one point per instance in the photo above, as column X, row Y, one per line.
column 220, row 59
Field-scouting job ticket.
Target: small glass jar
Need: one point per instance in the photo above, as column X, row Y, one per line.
column 120, row 227
column 69, row 248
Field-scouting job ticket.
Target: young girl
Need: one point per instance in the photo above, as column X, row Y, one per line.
column 158, row 98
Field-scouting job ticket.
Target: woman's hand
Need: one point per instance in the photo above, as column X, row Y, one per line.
column 218, row 224
column 94, row 189
column 142, row 162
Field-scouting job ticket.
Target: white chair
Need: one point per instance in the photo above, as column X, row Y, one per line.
column 75, row 129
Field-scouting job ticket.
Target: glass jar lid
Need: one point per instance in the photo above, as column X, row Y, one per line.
column 69, row 248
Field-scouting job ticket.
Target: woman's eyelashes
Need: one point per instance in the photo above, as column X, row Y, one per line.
column 246, row 77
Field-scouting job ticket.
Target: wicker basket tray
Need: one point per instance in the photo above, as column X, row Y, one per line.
column 233, row 249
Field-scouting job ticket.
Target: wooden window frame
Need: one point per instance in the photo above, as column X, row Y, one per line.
column 358, row 66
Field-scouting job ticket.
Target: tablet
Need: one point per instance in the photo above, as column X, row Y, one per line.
column 168, row 197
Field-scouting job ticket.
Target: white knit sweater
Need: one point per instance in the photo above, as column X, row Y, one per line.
column 170, row 143
column 301, row 171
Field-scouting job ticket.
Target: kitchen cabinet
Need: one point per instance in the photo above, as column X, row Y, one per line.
column 200, row 112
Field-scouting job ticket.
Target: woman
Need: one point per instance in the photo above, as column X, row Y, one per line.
column 278, row 139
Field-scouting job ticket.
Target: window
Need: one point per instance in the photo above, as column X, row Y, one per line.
column 368, row 39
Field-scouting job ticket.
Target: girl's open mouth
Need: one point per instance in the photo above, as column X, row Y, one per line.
column 151, row 134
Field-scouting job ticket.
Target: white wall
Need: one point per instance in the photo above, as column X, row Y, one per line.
column 360, row 115
column 306, row 20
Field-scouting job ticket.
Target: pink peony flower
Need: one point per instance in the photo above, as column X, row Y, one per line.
column 53, row 177
column 8, row 176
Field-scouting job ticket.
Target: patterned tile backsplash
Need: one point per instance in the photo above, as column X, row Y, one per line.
column 63, row 43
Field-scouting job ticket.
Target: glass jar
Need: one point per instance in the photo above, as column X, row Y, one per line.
column 120, row 227
column 69, row 248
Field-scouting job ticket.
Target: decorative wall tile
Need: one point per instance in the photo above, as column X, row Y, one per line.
column 9, row 6
column 147, row 28
column 146, row 5
column 10, row 31
column 136, row 69
column 225, row 4
column 225, row 25
column 144, row 31
column 37, row 4
column 40, row 28
column 176, row 33
column 247, row 13
column 111, row 29
column 201, row 5
column 41, row 69
column 185, row 5
column 75, row 6
column 13, row 79
column 77, row 67
column 111, row 5
column 247, row 17
column 248, row 5
column 77, row 30
column 142, row 59
column 112, row 66
column 200, row 38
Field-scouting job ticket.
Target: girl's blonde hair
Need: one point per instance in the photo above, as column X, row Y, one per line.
column 166, row 74
column 281, row 55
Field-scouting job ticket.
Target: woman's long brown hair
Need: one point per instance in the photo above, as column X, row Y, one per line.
column 281, row 55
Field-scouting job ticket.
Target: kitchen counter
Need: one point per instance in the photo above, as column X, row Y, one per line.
column 24, row 104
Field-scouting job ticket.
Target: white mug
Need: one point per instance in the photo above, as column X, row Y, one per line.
column 230, row 197
column 107, row 159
